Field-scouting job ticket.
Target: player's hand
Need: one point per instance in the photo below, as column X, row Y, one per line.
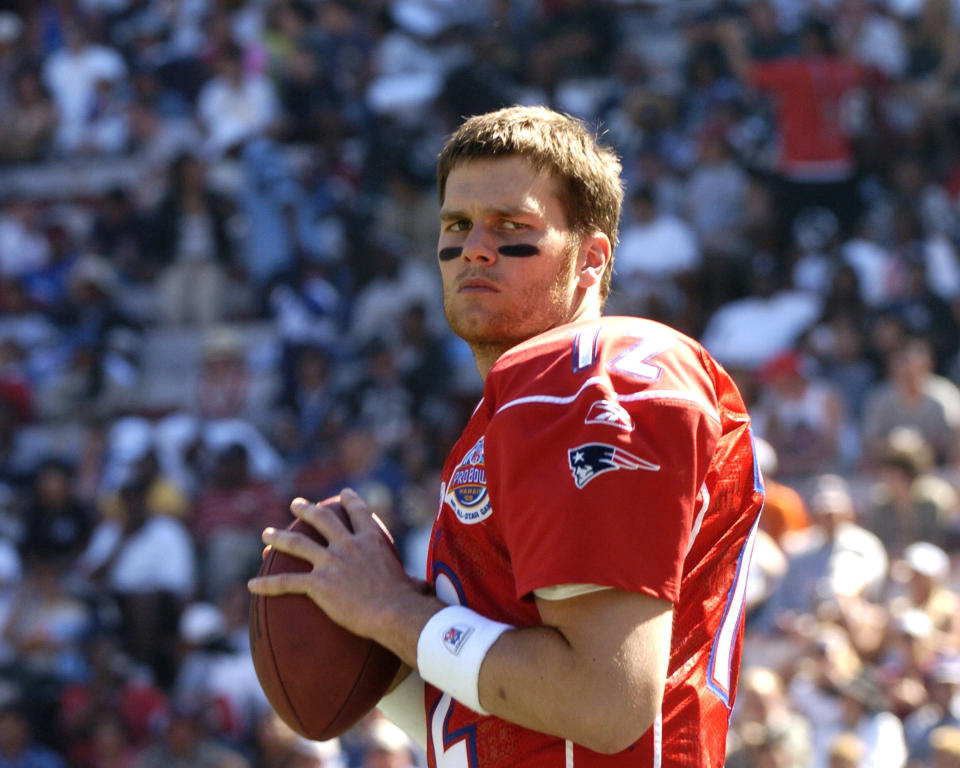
column 355, row 579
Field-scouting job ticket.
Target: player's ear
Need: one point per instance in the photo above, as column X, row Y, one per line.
column 595, row 254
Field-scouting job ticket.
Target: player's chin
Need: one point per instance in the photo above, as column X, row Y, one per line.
column 470, row 323
column 480, row 333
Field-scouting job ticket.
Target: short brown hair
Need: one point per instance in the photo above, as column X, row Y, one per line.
column 591, row 190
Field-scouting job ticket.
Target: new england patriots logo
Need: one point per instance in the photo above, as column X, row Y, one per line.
column 592, row 459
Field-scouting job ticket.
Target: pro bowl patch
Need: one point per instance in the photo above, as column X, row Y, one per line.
column 466, row 492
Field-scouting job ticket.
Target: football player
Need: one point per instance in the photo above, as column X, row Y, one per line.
column 597, row 516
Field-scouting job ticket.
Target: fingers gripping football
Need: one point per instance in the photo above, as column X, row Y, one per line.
column 353, row 569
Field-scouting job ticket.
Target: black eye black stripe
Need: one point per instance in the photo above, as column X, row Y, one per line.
column 519, row 250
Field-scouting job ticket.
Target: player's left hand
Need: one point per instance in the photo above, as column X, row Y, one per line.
column 356, row 579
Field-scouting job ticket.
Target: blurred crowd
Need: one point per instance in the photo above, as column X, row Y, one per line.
column 218, row 292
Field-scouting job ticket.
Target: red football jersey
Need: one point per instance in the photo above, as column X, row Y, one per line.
column 613, row 453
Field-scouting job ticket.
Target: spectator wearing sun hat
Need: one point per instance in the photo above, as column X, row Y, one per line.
column 834, row 558
column 922, row 572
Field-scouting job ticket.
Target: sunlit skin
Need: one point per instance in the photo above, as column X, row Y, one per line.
column 497, row 293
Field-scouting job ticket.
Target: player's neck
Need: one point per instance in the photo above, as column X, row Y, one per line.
column 486, row 355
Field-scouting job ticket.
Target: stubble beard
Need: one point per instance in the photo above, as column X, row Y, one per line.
column 494, row 335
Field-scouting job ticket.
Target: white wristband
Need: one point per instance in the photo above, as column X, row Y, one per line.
column 451, row 649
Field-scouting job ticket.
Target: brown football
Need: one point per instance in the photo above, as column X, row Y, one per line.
column 320, row 678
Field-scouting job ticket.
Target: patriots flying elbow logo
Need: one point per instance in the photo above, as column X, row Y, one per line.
column 592, row 459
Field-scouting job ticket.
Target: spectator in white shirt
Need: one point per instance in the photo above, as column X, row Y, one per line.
column 235, row 105
column 146, row 562
column 72, row 74
column 657, row 253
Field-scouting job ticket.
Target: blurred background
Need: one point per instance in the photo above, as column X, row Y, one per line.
column 218, row 291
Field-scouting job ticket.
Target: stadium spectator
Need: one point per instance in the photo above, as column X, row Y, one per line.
column 217, row 674
column 23, row 246
column 909, row 503
column 158, row 138
column 658, row 253
column 186, row 740
column 75, row 74
column 839, row 342
column 764, row 704
column 395, row 282
column 311, row 401
column 818, row 116
column 44, row 628
column 717, row 192
column 163, row 496
column 112, row 686
column 223, row 384
column 784, row 510
column 827, row 661
column 833, row 557
column 27, row 125
column 801, row 416
column 276, row 211
column 110, row 745
column 229, row 511
column 771, row 303
column 379, row 400
column 119, row 235
column 17, row 746
column 11, row 53
column 189, row 242
column 48, row 285
column 55, row 522
column 864, row 712
column 846, row 751
column 923, row 573
column 939, row 708
column 236, row 105
column 147, row 564
column 912, row 396
column 873, row 37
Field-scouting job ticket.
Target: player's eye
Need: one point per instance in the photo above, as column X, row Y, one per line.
column 460, row 225
column 513, row 226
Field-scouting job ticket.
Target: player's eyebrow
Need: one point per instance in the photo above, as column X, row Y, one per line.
column 504, row 212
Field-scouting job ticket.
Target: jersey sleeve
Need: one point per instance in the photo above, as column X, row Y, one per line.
column 595, row 475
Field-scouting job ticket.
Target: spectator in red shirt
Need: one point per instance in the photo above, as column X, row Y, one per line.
column 820, row 108
column 231, row 510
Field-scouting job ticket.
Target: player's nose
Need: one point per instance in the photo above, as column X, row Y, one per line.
column 479, row 247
